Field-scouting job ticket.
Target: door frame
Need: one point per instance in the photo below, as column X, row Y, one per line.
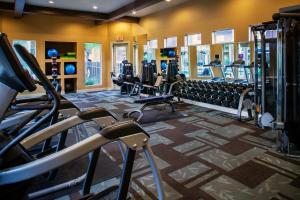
column 113, row 44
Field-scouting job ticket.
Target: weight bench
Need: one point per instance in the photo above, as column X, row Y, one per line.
column 151, row 101
column 136, row 90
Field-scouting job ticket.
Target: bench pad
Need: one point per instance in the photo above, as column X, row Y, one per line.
column 155, row 99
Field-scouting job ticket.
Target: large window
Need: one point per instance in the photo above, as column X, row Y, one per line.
column 185, row 61
column 170, row 42
column 269, row 34
column 153, row 44
column 149, row 53
column 120, row 53
column 150, row 50
column 223, row 36
column 192, row 40
column 30, row 45
column 93, row 64
column 203, row 58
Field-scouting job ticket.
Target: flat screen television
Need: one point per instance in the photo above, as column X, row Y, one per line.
column 168, row 52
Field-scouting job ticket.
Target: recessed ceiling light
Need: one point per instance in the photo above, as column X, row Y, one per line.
column 134, row 12
column 168, row 0
column 52, row 2
column 95, row 7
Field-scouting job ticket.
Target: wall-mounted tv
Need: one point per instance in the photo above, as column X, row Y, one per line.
column 168, row 52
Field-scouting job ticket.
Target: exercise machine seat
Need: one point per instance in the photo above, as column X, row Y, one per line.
column 94, row 113
column 154, row 99
column 122, row 130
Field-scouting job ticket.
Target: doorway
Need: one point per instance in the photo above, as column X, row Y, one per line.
column 120, row 53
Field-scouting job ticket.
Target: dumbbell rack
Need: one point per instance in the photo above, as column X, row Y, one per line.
column 222, row 96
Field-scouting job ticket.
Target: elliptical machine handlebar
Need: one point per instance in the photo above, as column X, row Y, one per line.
column 32, row 63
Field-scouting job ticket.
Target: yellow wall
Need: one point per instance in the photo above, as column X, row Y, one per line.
column 56, row 28
column 194, row 16
column 0, row 22
column 206, row 16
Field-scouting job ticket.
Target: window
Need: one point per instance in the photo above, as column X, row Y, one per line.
column 170, row 42
column 120, row 54
column 135, row 58
column 228, row 59
column 30, row 45
column 228, row 54
column 223, row 36
column 244, row 52
column 185, row 61
column 149, row 53
column 150, row 50
column 192, row 40
column 269, row 34
column 93, row 64
column 152, row 44
column 203, row 58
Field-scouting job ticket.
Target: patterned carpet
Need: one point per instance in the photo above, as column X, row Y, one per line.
column 202, row 154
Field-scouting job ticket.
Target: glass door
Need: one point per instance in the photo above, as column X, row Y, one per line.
column 120, row 53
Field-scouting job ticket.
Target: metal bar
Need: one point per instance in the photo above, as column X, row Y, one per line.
column 60, row 146
column 156, row 173
column 126, row 174
column 263, row 72
column 280, row 73
column 56, row 188
column 256, row 92
column 53, row 161
column 50, row 131
column 10, row 94
column 90, row 172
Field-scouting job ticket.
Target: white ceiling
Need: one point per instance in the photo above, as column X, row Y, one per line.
column 104, row 6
